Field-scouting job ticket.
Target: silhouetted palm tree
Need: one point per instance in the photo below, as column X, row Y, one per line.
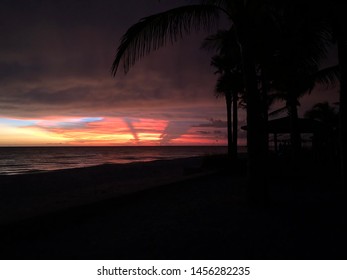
column 230, row 82
column 325, row 113
column 339, row 23
column 230, row 85
column 332, row 15
column 301, row 85
column 155, row 31
column 328, row 116
column 303, row 44
column 327, row 77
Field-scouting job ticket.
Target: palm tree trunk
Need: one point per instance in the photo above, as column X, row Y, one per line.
column 340, row 32
column 342, row 56
column 229, row 123
column 235, row 125
column 265, row 106
column 256, row 134
column 295, row 138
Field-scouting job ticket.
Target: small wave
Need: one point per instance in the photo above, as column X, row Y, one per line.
column 130, row 158
column 18, row 172
column 29, row 160
column 18, row 165
column 136, row 159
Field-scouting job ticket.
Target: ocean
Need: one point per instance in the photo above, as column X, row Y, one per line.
column 20, row 160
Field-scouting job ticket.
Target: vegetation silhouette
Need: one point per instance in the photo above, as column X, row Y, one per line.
column 336, row 20
column 304, row 217
column 154, row 31
column 303, row 44
column 266, row 55
column 230, row 82
column 333, row 19
column 324, row 113
column 328, row 116
column 281, row 45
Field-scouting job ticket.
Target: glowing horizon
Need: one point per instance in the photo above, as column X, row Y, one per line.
column 103, row 131
column 56, row 86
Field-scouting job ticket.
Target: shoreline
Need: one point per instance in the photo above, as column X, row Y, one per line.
column 24, row 196
column 201, row 214
column 26, row 160
column 118, row 227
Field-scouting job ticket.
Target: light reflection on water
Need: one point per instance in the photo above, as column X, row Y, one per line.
column 17, row 160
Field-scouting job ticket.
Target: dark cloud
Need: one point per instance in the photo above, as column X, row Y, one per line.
column 56, row 56
column 213, row 123
column 203, row 132
column 174, row 130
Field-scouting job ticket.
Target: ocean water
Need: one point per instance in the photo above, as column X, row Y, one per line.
column 20, row 160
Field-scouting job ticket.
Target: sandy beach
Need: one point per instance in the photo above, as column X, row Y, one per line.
column 178, row 209
column 29, row 195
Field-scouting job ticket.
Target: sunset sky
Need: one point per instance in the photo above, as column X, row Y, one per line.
column 56, row 86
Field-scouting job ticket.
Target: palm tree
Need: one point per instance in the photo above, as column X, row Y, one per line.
column 302, row 84
column 330, row 15
column 230, row 82
column 155, row 31
column 338, row 20
column 230, row 85
column 304, row 42
column 328, row 116
column 325, row 113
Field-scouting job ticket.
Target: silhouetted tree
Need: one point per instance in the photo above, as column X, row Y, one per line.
column 230, row 85
column 325, row 113
column 339, row 23
column 155, row 31
column 332, row 17
column 303, row 44
column 230, row 82
column 328, row 116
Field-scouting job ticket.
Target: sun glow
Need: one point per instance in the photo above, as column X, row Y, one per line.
column 27, row 136
column 100, row 131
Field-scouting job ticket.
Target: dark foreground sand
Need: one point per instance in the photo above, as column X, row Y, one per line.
column 29, row 195
column 182, row 209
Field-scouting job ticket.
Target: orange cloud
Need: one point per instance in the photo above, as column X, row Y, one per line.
column 60, row 130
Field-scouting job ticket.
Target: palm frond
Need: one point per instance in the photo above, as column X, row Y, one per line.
column 221, row 89
column 323, row 112
column 222, row 64
column 328, row 77
column 229, row 82
column 305, row 37
column 278, row 111
column 241, row 11
column 227, row 6
column 216, row 41
column 153, row 32
column 225, row 42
